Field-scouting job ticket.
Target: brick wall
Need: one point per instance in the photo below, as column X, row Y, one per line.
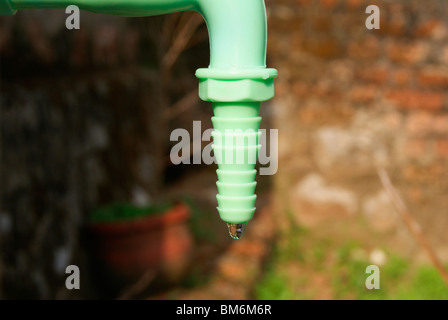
column 350, row 99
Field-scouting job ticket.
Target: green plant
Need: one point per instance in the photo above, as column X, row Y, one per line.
column 349, row 274
column 299, row 256
column 398, row 279
column 274, row 286
column 425, row 284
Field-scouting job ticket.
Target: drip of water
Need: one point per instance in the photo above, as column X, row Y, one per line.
column 236, row 230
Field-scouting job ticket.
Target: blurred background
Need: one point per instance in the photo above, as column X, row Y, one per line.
column 86, row 177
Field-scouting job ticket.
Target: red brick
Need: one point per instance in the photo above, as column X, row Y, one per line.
column 393, row 120
column 282, row 88
column 419, row 123
column 325, row 114
column 440, row 124
column 374, row 74
column 401, row 77
column 286, row 24
column 433, row 77
column 443, row 57
column 393, row 19
column 322, row 89
column 410, row 172
column 319, row 89
column 430, row 28
column 412, row 99
column 442, row 148
column 415, row 195
column 407, row 53
column 415, row 148
column 367, row 48
column 304, row 2
column 300, row 88
column 393, row 27
column 363, row 94
column 323, row 23
column 434, row 173
column 326, row 48
column 353, row 4
column 329, row 4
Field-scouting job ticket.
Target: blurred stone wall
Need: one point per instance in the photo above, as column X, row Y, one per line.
column 81, row 126
column 349, row 99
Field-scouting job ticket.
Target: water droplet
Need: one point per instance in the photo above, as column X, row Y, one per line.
column 236, row 230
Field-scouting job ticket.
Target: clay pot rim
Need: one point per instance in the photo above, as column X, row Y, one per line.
column 179, row 213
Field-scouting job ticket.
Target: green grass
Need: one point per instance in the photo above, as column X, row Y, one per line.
column 349, row 276
column 399, row 280
column 275, row 285
column 426, row 284
column 346, row 267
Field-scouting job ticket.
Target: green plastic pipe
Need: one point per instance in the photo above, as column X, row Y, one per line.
column 236, row 82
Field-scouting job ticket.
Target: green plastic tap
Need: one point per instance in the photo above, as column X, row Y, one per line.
column 236, row 82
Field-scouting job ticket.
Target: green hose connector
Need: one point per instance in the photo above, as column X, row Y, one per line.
column 236, row 96
column 236, row 83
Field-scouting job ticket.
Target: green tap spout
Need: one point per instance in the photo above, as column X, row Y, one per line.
column 237, row 28
column 236, row 82
column 128, row 8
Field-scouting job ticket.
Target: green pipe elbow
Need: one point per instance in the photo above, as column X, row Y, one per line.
column 237, row 28
column 6, row 8
column 129, row 8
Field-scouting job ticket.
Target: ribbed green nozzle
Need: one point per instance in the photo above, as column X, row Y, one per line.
column 236, row 97
column 236, row 147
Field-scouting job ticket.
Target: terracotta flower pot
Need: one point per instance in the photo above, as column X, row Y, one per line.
column 160, row 242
